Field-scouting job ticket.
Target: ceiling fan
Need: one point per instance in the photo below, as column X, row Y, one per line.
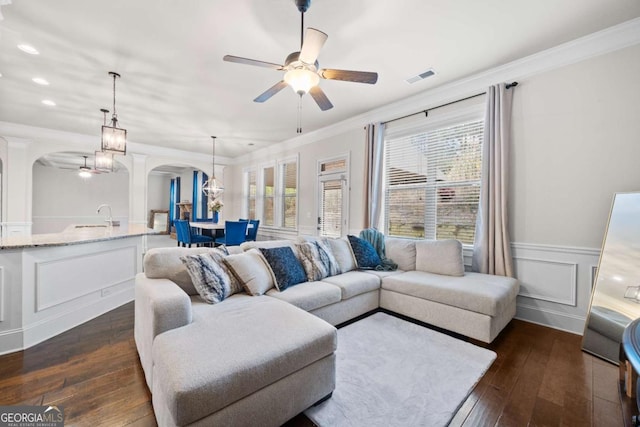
column 302, row 71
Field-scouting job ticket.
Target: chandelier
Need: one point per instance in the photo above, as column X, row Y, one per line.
column 114, row 139
column 212, row 188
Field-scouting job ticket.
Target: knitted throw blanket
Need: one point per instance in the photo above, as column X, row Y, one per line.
column 376, row 239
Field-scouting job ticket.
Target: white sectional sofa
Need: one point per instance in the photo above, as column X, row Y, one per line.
column 260, row 360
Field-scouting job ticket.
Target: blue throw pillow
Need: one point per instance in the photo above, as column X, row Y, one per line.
column 285, row 266
column 365, row 253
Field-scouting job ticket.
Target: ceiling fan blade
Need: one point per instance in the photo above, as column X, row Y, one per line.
column 350, row 76
column 321, row 99
column 271, row 91
column 313, row 42
column 247, row 61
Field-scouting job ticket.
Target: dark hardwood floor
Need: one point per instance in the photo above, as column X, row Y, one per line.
column 540, row 378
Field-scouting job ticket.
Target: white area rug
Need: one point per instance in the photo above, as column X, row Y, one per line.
column 391, row 372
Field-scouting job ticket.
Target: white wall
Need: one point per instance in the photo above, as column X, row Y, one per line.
column 61, row 198
column 158, row 186
column 575, row 143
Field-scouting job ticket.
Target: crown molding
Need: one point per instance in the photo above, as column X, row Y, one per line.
column 599, row 43
column 31, row 134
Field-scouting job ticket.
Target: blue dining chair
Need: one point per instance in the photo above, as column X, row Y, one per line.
column 235, row 233
column 186, row 237
column 252, row 233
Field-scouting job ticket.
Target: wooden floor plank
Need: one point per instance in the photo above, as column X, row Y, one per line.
column 540, row 377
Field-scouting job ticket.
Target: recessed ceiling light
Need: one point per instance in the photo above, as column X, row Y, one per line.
column 28, row 49
column 48, row 102
column 40, row 81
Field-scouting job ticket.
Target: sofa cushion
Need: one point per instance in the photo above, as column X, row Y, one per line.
column 364, row 252
column 285, row 266
column 232, row 352
column 309, row 295
column 252, row 271
column 210, row 276
column 344, row 255
column 402, row 252
column 354, row 283
column 481, row 293
column 164, row 263
column 440, row 257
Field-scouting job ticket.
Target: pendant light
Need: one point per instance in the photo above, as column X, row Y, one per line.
column 103, row 162
column 114, row 139
column 212, row 188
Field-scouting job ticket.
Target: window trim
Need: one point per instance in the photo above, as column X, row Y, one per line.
column 328, row 176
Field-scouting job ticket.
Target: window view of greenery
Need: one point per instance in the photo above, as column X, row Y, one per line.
column 433, row 183
column 253, row 189
column 289, row 194
column 268, row 196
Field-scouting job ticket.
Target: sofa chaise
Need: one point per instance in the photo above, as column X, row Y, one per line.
column 261, row 360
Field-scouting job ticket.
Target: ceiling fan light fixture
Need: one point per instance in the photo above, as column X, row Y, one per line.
column 301, row 80
column 85, row 171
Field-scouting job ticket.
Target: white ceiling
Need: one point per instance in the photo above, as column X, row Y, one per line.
column 175, row 89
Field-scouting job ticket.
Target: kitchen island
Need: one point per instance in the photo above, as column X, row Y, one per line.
column 50, row 283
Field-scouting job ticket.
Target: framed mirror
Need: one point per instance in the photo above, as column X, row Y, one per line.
column 615, row 300
column 159, row 221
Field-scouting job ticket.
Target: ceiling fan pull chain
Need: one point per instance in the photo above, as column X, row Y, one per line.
column 299, row 129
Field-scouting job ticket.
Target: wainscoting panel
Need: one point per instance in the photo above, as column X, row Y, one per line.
column 82, row 275
column 555, row 284
column 547, row 280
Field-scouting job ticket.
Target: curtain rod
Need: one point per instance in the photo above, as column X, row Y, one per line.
column 426, row 112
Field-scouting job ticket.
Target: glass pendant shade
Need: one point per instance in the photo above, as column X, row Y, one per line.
column 114, row 140
column 103, row 161
column 213, row 188
column 301, row 80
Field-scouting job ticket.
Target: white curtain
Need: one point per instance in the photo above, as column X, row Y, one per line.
column 373, row 178
column 492, row 248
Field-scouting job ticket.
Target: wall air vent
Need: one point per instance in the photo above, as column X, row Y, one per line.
column 430, row 72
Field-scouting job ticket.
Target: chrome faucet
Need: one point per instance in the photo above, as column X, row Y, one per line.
column 110, row 218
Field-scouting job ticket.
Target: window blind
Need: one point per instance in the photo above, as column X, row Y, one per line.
column 432, row 182
column 331, row 203
column 268, row 196
column 289, row 194
column 251, row 194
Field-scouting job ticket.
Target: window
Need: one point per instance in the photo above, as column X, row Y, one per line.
column 289, row 192
column 432, row 181
column 251, row 192
column 333, row 197
column 268, row 196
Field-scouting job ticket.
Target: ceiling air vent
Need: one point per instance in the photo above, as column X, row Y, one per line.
column 430, row 72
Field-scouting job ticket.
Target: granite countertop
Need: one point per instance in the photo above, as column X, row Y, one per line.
column 74, row 235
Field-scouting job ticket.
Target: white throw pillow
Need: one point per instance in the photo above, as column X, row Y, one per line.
column 252, row 270
column 440, row 257
column 341, row 249
column 402, row 252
